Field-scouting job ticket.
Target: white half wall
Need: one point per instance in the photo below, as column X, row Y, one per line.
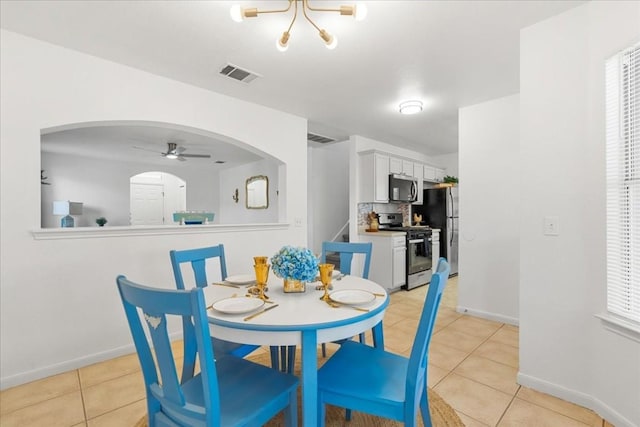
column 564, row 349
column 59, row 307
column 489, row 199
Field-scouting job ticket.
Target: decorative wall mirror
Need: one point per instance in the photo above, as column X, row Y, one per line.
column 257, row 192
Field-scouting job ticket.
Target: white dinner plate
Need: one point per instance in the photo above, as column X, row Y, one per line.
column 241, row 279
column 352, row 296
column 237, row 305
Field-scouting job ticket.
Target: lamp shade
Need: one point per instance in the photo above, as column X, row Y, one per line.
column 65, row 207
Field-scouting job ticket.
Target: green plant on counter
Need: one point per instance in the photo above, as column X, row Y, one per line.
column 450, row 179
column 101, row 221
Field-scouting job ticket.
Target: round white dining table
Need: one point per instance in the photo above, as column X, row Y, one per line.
column 300, row 319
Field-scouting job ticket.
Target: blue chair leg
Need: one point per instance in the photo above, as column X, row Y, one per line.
column 424, row 408
column 291, row 358
column 274, row 357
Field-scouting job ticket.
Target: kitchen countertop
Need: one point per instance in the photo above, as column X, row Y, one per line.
column 382, row 233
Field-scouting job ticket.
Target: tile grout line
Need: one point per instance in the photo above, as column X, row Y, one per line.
column 509, row 405
column 84, row 406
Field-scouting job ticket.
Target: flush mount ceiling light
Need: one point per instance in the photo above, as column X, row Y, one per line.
column 410, row 107
column 359, row 12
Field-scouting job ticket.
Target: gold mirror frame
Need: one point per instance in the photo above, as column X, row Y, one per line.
column 257, row 192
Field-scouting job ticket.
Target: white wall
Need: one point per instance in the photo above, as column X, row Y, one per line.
column 237, row 213
column 328, row 197
column 564, row 349
column 489, row 198
column 449, row 162
column 59, row 308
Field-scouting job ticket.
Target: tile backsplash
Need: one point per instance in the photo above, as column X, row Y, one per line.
column 365, row 208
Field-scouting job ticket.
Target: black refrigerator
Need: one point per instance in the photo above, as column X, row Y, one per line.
column 440, row 210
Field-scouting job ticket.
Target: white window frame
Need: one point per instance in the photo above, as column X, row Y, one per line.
column 623, row 192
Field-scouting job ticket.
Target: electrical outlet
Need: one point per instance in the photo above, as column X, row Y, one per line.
column 551, row 226
column 297, row 222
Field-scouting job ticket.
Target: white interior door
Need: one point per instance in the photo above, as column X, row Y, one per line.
column 147, row 204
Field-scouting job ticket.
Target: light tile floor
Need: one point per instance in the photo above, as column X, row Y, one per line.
column 472, row 364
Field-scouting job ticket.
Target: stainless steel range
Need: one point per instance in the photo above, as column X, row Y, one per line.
column 419, row 260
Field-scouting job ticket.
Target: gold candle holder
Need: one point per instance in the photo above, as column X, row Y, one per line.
column 260, row 259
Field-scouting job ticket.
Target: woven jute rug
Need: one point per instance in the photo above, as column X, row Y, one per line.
column 442, row 415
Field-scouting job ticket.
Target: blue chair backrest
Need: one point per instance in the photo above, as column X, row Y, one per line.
column 417, row 369
column 346, row 251
column 197, row 258
column 167, row 395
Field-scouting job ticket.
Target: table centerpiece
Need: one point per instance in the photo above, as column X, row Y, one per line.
column 296, row 266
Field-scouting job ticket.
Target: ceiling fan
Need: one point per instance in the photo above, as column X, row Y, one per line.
column 176, row 152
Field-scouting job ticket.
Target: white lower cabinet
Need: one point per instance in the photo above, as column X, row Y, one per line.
column 388, row 259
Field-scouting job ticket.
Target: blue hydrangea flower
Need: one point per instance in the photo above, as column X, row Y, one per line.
column 295, row 263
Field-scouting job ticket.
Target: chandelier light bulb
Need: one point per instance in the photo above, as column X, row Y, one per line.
column 360, row 11
column 330, row 41
column 236, row 13
column 410, row 107
column 282, row 43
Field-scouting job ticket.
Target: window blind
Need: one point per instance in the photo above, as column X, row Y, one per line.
column 623, row 183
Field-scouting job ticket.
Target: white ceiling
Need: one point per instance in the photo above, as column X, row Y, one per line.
column 450, row 54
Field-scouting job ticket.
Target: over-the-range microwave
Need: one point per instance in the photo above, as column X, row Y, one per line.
column 402, row 188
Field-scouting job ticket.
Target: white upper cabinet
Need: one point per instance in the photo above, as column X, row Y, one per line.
column 374, row 178
column 429, row 173
column 407, row 168
column 439, row 174
column 395, row 165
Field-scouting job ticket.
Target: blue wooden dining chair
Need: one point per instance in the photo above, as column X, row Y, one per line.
column 366, row 379
column 346, row 250
column 198, row 259
column 228, row 390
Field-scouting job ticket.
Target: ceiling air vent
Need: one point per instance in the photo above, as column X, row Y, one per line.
column 319, row 138
column 238, row 73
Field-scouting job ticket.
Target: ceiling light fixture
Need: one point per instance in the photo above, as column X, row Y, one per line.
column 410, row 107
column 359, row 12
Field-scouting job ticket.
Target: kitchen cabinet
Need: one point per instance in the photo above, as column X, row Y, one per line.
column 388, row 259
column 395, row 165
column 429, row 173
column 433, row 174
column 374, row 178
column 418, row 170
column 407, row 168
column 399, row 267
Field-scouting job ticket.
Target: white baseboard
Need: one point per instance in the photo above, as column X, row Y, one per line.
column 489, row 316
column 579, row 398
column 70, row 365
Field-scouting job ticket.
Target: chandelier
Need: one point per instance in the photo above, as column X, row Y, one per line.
column 359, row 12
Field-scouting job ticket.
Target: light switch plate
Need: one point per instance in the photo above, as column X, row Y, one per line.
column 551, row 226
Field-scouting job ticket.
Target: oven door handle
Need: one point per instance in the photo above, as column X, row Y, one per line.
column 416, row 241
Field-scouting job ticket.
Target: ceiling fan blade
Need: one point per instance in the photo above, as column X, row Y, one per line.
column 179, row 150
column 203, row 156
column 181, row 158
